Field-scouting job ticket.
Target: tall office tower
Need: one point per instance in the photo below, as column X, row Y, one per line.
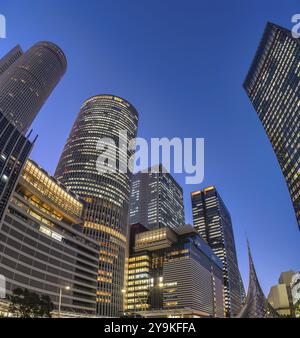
column 156, row 200
column 273, row 86
column 213, row 222
column 26, row 80
column 256, row 304
column 173, row 272
column 106, row 194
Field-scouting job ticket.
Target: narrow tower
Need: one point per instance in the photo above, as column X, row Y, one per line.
column 213, row 222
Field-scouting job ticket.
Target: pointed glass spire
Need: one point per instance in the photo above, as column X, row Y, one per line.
column 256, row 304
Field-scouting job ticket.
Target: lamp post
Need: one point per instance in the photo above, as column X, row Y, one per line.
column 67, row 288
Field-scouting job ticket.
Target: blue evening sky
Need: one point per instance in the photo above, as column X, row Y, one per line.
column 182, row 65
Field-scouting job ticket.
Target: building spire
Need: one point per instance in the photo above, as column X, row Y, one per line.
column 256, row 305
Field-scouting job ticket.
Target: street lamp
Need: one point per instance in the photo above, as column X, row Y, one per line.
column 67, row 288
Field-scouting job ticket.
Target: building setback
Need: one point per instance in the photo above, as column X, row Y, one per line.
column 213, row 222
column 42, row 247
column 106, row 194
column 173, row 272
column 156, row 200
column 273, row 87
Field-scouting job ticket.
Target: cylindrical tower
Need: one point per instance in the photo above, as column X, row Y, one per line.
column 27, row 83
column 106, row 194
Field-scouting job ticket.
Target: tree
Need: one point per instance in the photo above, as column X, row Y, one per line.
column 46, row 306
column 297, row 309
column 26, row 304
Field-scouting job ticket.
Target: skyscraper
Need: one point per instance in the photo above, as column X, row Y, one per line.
column 156, row 200
column 26, row 80
column 273, row 86
column 213, row 222
column 106, row 194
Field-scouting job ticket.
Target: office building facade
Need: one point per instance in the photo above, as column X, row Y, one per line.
column 174, row 273
column 273, row 87
column 156, row 200
column 42, row 246
column 213, row 222
column 106, row 194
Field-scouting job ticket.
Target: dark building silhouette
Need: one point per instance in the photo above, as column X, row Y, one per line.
column 213, row 222
column 273, row 86
column 106, row 194
column 14, row 149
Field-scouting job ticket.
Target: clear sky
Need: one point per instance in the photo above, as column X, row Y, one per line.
column 182, row 65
